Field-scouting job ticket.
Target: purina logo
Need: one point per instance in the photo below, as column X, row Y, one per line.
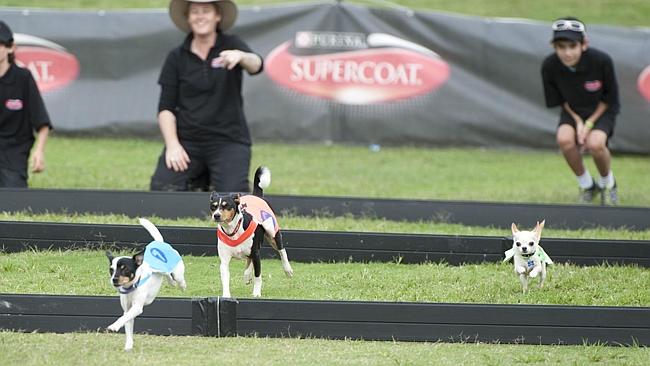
column 51, row 65
column 644, row 83
column 354, row 68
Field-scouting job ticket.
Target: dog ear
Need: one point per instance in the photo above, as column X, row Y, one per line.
column 213, row 196
column 110, row 257
column 538, row 229
column 236, row 197
column 514, row 229
column 138, row 258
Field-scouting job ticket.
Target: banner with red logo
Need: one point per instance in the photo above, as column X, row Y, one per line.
column 333, row 73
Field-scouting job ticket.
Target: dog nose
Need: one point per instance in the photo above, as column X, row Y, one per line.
column 524, row 249
column 216, row 216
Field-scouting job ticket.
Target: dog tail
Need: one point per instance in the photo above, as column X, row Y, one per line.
column 152, row 229
column 261, row 181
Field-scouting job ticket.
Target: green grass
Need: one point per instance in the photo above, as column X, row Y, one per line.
column 400, row 172
column 85, row 272
column 101, row 348
column 623, row 12
column 343, row 223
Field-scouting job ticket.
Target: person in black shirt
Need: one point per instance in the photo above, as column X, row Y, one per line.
column 200, row 112
column 582, row 81
column 22, row 112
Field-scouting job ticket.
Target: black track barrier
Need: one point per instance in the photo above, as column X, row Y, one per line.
column 193, row 204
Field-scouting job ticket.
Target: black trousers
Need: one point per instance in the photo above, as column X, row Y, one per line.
column 13, row 166
column 220, row 166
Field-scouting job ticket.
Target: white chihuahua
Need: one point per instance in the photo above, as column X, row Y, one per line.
column 530, row 259
column 138, row 278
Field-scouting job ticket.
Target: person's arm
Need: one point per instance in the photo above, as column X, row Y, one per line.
column 38, row 154
column 176, row 157
column 249, row 61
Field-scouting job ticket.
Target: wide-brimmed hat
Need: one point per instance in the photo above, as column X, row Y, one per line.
column 178, row 13
column 6, row 35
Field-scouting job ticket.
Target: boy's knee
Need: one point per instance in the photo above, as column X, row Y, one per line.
column 565, row 141
column 596, row 145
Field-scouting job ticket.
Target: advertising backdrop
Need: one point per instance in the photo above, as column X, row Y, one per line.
column 334, row 72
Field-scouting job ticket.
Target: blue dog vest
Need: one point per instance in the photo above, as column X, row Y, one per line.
column 161, row 257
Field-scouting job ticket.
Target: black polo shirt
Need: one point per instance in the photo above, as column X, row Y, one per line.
column 593, row 80
column 204, row 96
column 22, row 111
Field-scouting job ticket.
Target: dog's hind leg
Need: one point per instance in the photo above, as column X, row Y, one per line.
column 524, row 282
column 248, row 271
column 257, row 267
column 276, row 242
column 542, row 276
column 178, row 276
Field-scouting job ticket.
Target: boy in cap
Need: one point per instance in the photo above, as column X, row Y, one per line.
column 22, row 112
column 582, row 81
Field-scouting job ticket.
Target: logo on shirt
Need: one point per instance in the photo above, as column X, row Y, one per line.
column 14, row 104
column 50, row 64
column 356, row 68
column 593, row 86
column 643, row 83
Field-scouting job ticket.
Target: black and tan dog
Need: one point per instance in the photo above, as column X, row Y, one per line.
column 243, row 223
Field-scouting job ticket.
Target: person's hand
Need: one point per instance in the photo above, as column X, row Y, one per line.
column 176, row 158
column 37, row 161
column 581, row 131
column 230, row 58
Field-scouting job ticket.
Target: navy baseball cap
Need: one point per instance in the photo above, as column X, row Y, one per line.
column 6, row 36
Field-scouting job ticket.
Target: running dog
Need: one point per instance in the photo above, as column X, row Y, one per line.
column 530, row 259
column 138, row 278
column 243, row 221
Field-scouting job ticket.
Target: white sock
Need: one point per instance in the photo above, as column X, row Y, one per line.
column 585, row 180
column 607, row 181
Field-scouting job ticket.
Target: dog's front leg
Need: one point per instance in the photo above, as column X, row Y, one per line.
column 224, row 270
column 535, row 271
column 135, row 310
column 128, row 330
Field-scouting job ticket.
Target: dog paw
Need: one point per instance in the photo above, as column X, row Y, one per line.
column 257, row 294
column 534, row 274
column 128, row 346
column 114, row 327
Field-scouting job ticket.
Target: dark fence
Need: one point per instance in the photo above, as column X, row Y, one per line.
column 527, row 324
column 190, row 204
column 320, row 246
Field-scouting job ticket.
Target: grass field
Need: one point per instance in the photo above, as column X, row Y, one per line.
column 400, row 172
column 623, row 12
column 101, row 348
column 85, row 272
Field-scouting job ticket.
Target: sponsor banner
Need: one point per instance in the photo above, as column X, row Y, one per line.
column 338, row 73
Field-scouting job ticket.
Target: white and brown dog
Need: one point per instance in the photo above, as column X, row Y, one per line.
column 138, row 278
column 243, row 221
column 530, row 259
